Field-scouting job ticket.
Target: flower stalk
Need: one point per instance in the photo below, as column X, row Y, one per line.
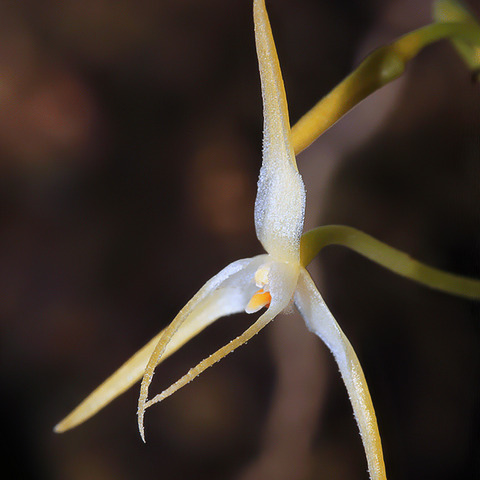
column 388, row 257
column 382, row 66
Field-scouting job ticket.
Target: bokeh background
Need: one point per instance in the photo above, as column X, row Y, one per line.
column 130, row 139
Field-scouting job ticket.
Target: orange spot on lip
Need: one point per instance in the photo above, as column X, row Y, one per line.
column 259, row 300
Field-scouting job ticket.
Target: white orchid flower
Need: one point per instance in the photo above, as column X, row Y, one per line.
column 277, row 278
column 273, row 280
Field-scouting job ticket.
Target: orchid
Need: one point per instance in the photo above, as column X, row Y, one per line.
column 278, row 279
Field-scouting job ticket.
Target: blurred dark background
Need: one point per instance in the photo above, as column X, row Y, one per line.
column 130, row 139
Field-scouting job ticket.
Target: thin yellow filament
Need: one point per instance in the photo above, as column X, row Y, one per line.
column 204, row 364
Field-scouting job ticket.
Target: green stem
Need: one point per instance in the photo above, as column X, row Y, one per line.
column 381, row 67
column 391, row 258
column 453, row 11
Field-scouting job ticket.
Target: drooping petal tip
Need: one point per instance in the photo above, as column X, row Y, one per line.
column 320, row 321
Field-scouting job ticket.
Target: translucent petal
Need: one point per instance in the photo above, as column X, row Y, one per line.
column 282, row 281
column 280, row 202
column 231, row 297
column 230, row 289
column 320, row 321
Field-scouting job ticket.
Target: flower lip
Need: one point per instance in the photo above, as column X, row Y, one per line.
column 274, row 279
column 262, row 297
column 258, row 301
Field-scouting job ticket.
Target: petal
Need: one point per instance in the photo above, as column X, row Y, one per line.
column 227, row 299
column 230, row 289
column 320, row 321
column 280, row 202
column 282, row 282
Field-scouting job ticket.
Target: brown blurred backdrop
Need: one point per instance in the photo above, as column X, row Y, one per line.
column 130, row 138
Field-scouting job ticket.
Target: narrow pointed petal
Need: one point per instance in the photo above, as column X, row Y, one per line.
column 120, row 381
column 282, row 283
column 229, row 291
column 320, row 321
column 224, row 301
column 280, row 202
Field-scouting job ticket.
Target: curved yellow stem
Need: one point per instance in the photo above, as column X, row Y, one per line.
column 453, row 11
column 391, row 258
column 381, row 67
